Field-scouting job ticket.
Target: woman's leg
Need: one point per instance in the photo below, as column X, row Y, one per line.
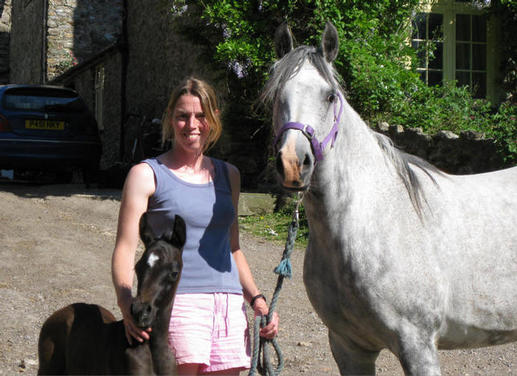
column 188, row 369
column 225, row 372
column 192, row 369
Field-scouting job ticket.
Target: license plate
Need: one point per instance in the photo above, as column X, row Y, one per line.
column 51, row 125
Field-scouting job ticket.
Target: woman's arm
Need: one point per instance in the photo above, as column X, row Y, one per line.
column 249, row 287
column 138, row 187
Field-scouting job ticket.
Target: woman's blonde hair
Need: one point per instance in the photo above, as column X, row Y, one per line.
column 208, row 99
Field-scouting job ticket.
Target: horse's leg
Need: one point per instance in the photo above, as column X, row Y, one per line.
column 140, row 360
column 418, row 355
column 350, row 358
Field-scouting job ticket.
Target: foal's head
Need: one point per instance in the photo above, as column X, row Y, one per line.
column 158, row 271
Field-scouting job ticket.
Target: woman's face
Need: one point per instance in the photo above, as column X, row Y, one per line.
column 189, row 123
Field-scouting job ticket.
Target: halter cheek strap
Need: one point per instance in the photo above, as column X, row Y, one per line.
column 308, row 131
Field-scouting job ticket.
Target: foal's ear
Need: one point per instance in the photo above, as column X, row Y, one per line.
column 146, row 234
column 283, row 40
column 179, row 232
column 330, row 42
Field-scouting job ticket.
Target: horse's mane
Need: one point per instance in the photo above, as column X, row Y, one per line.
column 289, row 65
column 403, row 163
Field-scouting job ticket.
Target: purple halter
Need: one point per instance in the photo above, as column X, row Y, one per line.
column 308, row 131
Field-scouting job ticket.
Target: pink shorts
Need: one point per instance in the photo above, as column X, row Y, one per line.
column 210, row 329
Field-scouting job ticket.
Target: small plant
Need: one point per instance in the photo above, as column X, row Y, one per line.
column 274, row 226
column 66, row 63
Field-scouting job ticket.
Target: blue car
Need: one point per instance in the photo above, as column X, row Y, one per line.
column 46, row 128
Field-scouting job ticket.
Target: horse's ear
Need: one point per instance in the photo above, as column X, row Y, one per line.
column 146, row 234
column 179, row 232
column 283, row 40
column 330, row 42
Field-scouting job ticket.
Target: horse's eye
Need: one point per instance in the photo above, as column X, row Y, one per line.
column 331, row 98
column 173, row 276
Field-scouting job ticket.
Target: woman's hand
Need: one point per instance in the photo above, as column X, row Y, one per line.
column 261, row 309
column 132, row 330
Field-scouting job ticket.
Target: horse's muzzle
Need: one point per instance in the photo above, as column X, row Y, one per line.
column 294, row 172
column 143, row 314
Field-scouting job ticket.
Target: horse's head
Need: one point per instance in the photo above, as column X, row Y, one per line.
column 307, row 105
column 158, row 271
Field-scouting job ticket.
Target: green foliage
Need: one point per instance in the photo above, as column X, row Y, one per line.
column 274, row 226
column 503, row 129
column 375, row 61
column 453, row 108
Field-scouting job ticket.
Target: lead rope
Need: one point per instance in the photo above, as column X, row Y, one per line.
column 284, row 269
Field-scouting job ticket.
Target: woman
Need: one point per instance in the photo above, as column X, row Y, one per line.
column 208, row 331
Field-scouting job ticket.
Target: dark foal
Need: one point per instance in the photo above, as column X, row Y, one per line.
column 86, row 339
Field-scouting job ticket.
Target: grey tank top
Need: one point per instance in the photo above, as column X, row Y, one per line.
column 208, row 265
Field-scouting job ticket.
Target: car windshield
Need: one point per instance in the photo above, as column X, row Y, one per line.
column 48, row 101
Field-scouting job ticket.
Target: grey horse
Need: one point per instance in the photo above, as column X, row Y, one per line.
column 401, row 256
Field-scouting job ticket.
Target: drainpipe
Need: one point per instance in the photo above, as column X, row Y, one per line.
column 123, row 77
column 43, row 77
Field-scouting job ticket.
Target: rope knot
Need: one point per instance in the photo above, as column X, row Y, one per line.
column 284, row 268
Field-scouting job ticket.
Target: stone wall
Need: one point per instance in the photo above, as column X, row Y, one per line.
column 158, row 59
column 26, row 43
column 5, row 31
column 79, row 29
column 75, row 30
column 467, row 153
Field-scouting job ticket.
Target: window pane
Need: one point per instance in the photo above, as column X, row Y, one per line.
column 436, row 61
column 44, row 102
column 423, row 75
column 479, row 56
column 462, row 56
column 479, row 85
column 419, row 26
column 478, row 29
column 420, row 53
column 463, row 78
column 463, row 27
column 435, row 78
column 435, row 26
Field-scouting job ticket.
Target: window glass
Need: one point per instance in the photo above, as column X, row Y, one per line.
column 471, row 53
column 434, row 78
column 436, row 60
column 462, row 56
column 463, row 27
column 435, row 30
column 479, row 85
column 478, row 29
column 42, row 103
column 419, row 26
column 479, row 56
column 427, row 41
column 463, row 78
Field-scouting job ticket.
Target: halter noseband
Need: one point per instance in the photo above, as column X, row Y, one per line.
column 308, row 131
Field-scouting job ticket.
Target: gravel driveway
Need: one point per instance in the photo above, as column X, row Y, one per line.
column 57, row 242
